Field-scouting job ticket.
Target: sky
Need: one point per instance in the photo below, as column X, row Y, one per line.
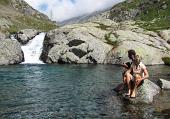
column 60, row 10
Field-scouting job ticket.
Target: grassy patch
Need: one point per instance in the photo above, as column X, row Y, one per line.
column 39, row 24
column 13, row 29
column 110, row 41
column 4, row 2
column 155, row 17
column 102, row 26
column 166, row 60
column 24, row 22
column 152, row 15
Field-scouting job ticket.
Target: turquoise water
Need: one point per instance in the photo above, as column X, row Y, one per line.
column 70, row 92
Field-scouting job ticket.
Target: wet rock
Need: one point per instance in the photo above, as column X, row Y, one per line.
column 164, row 84
column 145, row 93
column 25, row 35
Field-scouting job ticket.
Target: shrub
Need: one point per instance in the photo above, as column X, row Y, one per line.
column 166, row 60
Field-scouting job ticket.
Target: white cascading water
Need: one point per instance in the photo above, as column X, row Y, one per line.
column 33, row 49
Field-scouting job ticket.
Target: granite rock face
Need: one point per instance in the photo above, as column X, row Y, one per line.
column 10, row 52
column 25, row 35
column 105, row 42
column 67, row 45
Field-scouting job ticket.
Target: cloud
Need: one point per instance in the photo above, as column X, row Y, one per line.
column 60, row 10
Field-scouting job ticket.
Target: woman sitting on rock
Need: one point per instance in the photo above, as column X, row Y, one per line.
column 135, row 75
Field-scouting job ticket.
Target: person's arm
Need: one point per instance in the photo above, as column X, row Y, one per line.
column 124, row 65
column 129, row 70
column 146, row 75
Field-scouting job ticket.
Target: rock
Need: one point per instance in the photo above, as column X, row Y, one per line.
column 145, row 93
column 168, row 41
column 25, row 35
column 164, row 84
column 2, row 36
column 75, row 45
column 165, row 34
column 5, row 23
column 145, row 46
column 10, row 52
column 103, row 42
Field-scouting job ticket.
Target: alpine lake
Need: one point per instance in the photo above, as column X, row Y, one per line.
column 81, row 91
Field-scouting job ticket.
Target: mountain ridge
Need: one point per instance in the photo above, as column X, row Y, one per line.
column 148, row 14
column 16, row 15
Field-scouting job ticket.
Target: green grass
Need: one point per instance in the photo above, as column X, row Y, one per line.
column 166, row 60
column 152, row 16
column 24, row 22
column 114, row 43
column 156, row 17
column 4, row 2
column 102, row 26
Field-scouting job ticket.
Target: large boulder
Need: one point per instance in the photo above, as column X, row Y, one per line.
column 25, row 35
column 10, row 52
column 144, row 43
column 103, row 41
column 75, row 44
column 145, row 93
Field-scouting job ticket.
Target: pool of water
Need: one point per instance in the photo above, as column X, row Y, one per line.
column 73, row 92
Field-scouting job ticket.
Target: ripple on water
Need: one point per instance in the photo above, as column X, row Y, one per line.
column 68, row 91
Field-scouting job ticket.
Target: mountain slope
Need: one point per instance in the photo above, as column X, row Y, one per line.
column 17, row 14
column 149, row 14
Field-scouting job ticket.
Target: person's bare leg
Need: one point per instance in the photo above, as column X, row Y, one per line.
column 133, row 94
column 128, row 79
column 136, row 84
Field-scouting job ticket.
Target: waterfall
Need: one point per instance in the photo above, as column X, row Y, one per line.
column 33, row 49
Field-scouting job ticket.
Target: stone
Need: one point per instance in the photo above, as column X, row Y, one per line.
column 145, row 93
column 104, row 42
column 164, row 84
column 165, row 34
column 25, row 35
column 10, row 52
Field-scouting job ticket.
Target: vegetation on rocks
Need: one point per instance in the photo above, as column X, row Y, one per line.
column 110, row 40
column 17, row 15
column 24, row 22
column 148, row 14
column 166, row 60
column 4, row 2
column 102, row 26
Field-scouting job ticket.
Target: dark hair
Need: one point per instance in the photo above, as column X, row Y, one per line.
column 128, row 64
column 132, row 52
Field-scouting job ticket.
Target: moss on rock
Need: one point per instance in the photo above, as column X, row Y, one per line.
column 166, row 60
